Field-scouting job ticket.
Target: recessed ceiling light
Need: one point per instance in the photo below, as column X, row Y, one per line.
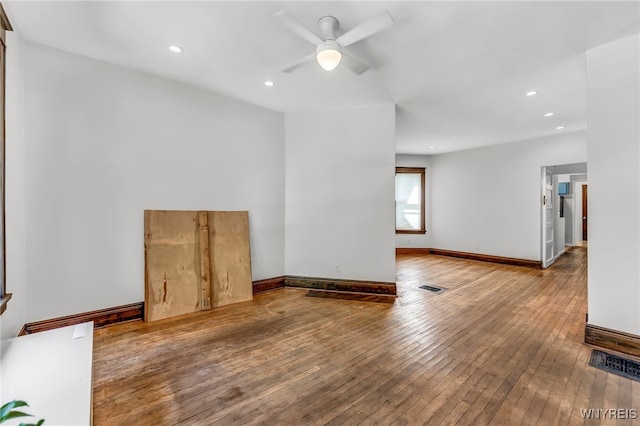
column 549, row 114
column 531, row 93
column 432, row 147
column 269, row 83
column 559, row 127
column 175, row 48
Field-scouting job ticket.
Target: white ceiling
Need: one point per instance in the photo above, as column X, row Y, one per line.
column 457, row 71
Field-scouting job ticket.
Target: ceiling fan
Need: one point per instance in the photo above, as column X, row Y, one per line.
column 329, row 48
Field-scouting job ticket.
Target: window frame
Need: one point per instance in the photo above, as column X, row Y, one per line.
column 423, row 222
column 4, row 27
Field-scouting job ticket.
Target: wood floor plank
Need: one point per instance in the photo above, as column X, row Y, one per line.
column 503, row 345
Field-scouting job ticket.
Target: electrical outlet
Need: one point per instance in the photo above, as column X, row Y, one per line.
column 338, row 267
column 409, row 241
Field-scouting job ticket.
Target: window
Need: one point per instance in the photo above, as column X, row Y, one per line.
column 410, row 217
column 4, row 27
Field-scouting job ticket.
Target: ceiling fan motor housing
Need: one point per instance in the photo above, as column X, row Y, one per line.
column 328, row 45
column 328, row 26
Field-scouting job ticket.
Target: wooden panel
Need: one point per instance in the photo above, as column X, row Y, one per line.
column 230, row 257
column 349, row 286
column 355, row 297
column 100, row 318
column 4, row 21
column 172, row 263
column 412, row 250
column 488, row 258
column 4, row 25
column 205, row 262
column 471, row 256
column 610, row 339
column 373, row 287
column 261, row 286
column 4, row 301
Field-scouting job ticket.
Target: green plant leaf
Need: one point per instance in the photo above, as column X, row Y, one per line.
column 15, row 414
column 14, row 404
column 6, row 408
column 7, row 412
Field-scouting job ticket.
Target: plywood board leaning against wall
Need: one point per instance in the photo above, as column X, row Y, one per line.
column 172, row 268
column 230, row 257
column 195, row 260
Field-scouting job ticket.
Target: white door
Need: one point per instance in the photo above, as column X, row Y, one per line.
column 548, row 255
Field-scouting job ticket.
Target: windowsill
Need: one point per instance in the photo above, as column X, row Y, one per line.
column 52, row 370
column 4, row 301
column 411, row 232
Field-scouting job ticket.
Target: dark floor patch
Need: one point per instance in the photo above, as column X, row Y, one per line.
column 615, row 364
column 434, row 289
column 233, row 393
column 378, row 298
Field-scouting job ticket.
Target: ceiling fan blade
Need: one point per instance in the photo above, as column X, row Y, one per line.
column 302, row 62
column 355, row 65
column 297, row 27
column 368, row 28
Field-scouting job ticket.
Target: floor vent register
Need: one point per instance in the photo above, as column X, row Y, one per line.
column 615, row 364
column 433, row 289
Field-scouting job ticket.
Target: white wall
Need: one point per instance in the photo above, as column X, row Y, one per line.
column 417, row 240
column 568, row 219
column 339, row 193
column 486, row 200
column 103, row 143
column 613, row 108
column 15, row 198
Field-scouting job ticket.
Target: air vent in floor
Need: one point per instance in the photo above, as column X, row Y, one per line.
column 433, row 289
column 615, row 364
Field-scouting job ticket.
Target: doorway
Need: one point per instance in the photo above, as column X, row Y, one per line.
column 579, row 225
column 561, row 212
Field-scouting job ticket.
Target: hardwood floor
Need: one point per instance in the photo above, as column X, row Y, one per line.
column 503, row 345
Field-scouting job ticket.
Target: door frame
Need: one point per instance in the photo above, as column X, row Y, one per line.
column 577, row 208
column 544, row 228
column 584, row 216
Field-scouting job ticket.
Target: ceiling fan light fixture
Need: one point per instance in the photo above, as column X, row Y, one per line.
column 328, row 55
